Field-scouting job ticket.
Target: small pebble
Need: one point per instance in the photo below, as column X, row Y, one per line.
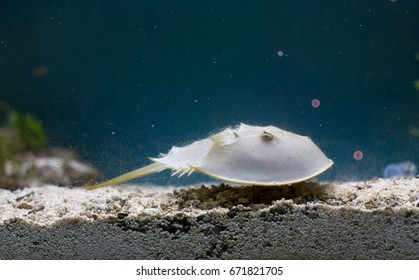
column 24, row 205
column 122, row 215
column 116, row 198
column 258, row 206
column 61, row 210
column 38, row 207
column 92, row 216
column 352, row 197
column 150, row 210
column 240, row 207
column 177, row 226
column 122, row 202
column 243, row 200
column 10, row 221
column 25, row 195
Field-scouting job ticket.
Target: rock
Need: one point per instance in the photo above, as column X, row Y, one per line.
column 58, row 166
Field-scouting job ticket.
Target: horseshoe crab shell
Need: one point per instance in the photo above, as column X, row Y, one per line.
column 251, row 155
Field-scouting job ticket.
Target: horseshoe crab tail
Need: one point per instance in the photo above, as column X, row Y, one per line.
column 146, row 170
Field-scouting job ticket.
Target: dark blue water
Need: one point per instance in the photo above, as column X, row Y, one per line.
column 122, row 80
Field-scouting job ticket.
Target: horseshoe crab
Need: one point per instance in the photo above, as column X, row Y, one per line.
column 250, row 155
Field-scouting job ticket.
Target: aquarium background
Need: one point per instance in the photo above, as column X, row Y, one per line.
column 118, row 81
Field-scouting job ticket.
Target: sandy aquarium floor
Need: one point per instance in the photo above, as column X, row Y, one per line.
column 376, row 219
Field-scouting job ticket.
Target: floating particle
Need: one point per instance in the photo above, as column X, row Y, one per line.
column 315, row 103
column 414, row 131
column 40, row 71
column 358, row 155
column 280, row 53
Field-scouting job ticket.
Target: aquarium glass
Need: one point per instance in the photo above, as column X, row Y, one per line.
column 121, row 81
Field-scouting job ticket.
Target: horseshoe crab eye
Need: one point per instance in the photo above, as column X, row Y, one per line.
column 266, row 136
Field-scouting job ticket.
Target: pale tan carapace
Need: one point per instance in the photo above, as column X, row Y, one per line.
column 250, row 155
